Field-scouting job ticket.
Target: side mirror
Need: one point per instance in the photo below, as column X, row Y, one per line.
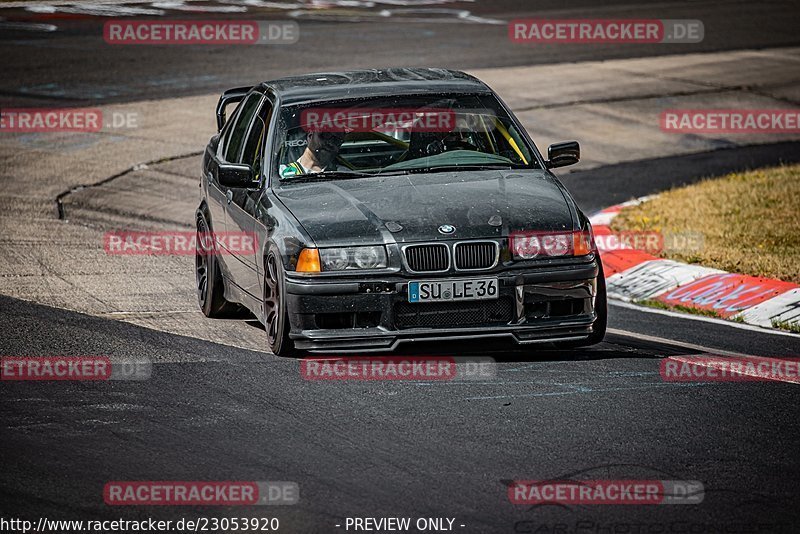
column 563, row 154
column 236, row 175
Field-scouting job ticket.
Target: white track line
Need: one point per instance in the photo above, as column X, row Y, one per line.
column 692, row 317
column 700, row 349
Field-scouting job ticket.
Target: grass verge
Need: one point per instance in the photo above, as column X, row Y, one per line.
column 785, row 325
column 677, row 308
column 750, row 222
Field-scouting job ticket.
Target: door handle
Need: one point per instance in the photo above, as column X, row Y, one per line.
column 229, row 195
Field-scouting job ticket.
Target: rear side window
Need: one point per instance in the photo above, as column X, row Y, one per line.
column 236, row 135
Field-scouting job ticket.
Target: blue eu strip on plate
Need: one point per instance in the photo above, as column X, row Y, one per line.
column 413, row 292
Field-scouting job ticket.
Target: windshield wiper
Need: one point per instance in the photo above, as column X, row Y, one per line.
column 338, row 175
column 325, row 175
column 465, row 167
column 395, row 172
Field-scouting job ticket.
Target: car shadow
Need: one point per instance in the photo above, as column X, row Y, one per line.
column 615, row 346
column 505, row 350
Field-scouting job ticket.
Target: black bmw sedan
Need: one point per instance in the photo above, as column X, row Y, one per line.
column 391, row 206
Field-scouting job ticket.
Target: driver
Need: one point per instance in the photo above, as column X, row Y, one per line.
column 461, row 135
column 459, row 138
column 320, row 155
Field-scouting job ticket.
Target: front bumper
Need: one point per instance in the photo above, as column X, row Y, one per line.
column 554, row 303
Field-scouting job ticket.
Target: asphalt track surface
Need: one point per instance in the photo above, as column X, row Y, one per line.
column 73, row 65
column 395, row 449
column 392, row 449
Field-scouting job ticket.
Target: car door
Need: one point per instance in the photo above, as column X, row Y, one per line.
column 217, row 201
column 228, row 151
column 241, row 211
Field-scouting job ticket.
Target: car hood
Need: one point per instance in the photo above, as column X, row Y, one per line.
column 410, row 208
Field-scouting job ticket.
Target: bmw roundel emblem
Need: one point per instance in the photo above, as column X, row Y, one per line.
column 447, row 229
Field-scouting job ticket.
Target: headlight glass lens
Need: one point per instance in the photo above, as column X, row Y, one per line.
column 368, row 257
column 533, row 245
column 334, row 259
column 347, row 258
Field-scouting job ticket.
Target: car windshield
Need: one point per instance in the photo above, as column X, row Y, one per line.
column 397, row 135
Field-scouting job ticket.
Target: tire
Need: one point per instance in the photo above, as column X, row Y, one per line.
column 276, row 316
column 600, row 324
column 208, row 278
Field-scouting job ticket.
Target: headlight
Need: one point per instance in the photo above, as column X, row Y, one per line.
column 369, row 257
column 530, row 245
column 346, row 258
column 334, row 259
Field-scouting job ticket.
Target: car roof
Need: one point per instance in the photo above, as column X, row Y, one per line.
column 324, row 86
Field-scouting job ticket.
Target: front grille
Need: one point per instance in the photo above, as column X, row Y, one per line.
column 453, row 314
column 428, row 258
column 472, row 256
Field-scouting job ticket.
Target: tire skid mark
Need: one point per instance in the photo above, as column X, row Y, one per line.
column 139, row 166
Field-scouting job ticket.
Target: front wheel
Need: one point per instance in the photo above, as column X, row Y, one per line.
column 276, row 316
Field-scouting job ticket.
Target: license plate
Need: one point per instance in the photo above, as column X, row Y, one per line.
column 453, row 290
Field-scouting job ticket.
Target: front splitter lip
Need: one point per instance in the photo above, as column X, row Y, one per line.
column 382, row 340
